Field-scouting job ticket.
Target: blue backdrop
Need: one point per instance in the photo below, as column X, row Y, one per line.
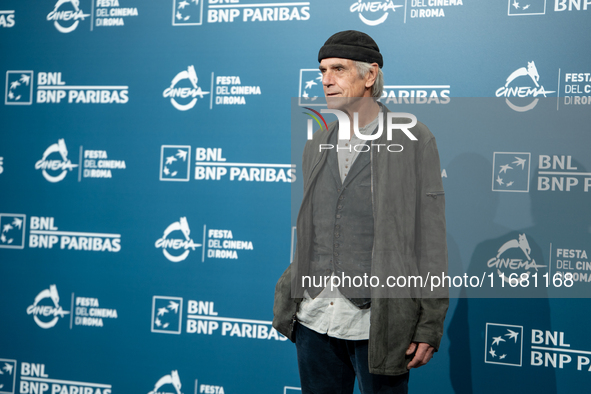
column 146, row 168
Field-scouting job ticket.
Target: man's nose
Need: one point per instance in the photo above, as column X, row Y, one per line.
column 327, row 79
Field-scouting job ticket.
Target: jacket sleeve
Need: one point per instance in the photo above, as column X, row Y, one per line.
column 431, row 247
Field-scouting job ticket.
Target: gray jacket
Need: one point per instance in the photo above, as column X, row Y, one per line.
column 409, row 239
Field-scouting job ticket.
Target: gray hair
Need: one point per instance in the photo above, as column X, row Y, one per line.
column 378, row 86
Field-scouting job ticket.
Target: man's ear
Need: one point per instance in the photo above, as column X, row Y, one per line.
column 372, row 74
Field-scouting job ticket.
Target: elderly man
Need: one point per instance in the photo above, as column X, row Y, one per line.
column 365, row 211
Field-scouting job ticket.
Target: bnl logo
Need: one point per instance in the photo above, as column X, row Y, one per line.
column 19, row 88
column 175, row 162
column 311, row 91
column 504, row 344
column 187, row 12
column 167, row 314
column 7, row 376
column 527, row 7
column 12, row 230
column 511, row 172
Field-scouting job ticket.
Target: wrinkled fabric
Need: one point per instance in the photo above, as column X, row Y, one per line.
column 409, row 239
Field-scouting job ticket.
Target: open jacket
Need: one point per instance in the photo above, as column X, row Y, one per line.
column 409, row 240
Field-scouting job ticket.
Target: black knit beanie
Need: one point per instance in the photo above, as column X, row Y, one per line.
column 352, row 44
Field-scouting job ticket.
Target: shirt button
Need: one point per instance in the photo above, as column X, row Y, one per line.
column 331, row 303
column 338, row 216
column 336, row 245
column 341, row 197
column 337, row 235
column 339, row 190
column 340, row 207
column 346, row 159
column 336, row 254
column 337, row 226
column 346, row 166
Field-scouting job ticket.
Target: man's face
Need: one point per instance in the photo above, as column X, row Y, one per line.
column 340, row 79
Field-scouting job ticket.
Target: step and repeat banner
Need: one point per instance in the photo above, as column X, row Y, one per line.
column 146, row 171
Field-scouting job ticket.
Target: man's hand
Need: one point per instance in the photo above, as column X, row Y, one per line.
column 423, row 354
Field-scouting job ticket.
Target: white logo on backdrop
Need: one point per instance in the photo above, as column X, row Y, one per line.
column 378, row 11
column 513, row 260
column 64, row 165
column 65, row 14
column 172, row 379
column 186, row 92
column 175, row 163
column 511, row 171
column 523, row 89
column 504, row 344
column 12, row 230
column 176, row 243
column 45, row 310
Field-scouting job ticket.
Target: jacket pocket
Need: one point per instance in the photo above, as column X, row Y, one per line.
column 435, row 194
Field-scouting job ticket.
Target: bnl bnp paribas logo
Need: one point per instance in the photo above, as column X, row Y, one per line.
column 7, row 376
column 511, row 172
column 538, row 7
column 527, row 7
column 19, row 87
column 504, row 344
column 46, row 310
column 522, row 88
column 374, row 13
column 12, row 230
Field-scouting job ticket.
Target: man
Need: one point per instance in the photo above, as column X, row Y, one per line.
column 365, row 211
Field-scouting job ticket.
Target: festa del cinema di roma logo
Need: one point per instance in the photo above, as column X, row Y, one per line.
column 184, row 93
column 55, row 170
column 516, row 87
column 510, row 256
column 43, row 312
column 172, row 379
column 185, row 243
column 373, row 7
column 64, row 12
